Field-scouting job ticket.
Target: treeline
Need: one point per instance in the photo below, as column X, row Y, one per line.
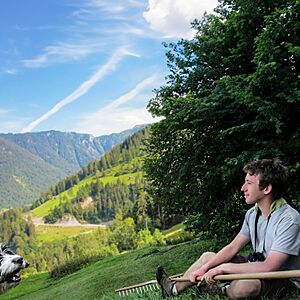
column 122, row 153
column 17, row 232
column 68, row 255
column 98, row 202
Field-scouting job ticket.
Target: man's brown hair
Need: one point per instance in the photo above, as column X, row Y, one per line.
column 270, row 171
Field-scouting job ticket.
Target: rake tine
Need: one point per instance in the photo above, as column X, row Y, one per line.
column 140, row 288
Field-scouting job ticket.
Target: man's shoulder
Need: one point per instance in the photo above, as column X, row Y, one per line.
column 288, row 213
column 251, row 211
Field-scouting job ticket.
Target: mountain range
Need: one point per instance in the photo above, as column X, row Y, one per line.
column 31, row 162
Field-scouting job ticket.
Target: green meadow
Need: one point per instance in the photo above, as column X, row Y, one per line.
column 99, row 280
column 68, row 195
column 50, row 233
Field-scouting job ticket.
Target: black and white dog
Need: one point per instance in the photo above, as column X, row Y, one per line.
column 10, row 265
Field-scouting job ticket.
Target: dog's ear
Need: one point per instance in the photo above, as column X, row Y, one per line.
column 3, row 247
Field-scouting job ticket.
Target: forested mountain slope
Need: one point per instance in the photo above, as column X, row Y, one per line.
column 32, row 162
column 22, row 175
column 102, row 189
column 69, row 151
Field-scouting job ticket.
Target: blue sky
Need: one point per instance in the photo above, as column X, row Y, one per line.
column 88, row 66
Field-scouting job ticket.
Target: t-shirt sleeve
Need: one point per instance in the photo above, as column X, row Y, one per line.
column 287, row 238
column 245, row 230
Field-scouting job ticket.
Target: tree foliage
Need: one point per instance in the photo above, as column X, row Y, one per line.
column 232, row 96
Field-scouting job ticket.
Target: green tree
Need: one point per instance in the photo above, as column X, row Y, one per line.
column 232, row 96
column 123, row 233
column 144, row 238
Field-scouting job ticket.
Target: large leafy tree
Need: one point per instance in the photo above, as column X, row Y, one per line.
column 232, row 95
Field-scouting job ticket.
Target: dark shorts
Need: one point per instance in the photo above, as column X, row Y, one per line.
column 270, row 287
column 276, row 287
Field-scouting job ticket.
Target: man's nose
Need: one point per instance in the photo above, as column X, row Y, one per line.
column 243, row 187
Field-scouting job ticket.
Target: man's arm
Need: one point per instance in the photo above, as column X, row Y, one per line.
column 223, row 256
column 273, row 262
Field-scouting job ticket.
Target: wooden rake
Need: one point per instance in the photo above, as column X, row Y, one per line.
column 143, row 287
column 152, row 285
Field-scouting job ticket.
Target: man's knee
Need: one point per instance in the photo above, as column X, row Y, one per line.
column 242, row 289
column 206, row 256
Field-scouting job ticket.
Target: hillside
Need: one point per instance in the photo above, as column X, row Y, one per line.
column 96, row 194
column 99, row 280
column 31, row 162
column 23, row 175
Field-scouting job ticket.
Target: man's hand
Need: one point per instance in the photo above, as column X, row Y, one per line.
column 209, row 275
column 200, row 272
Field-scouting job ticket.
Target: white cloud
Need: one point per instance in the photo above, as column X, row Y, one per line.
column 106, row 6
column 117, row 120
column 61, row 52
column 114, row 117
column 11, row 71
column 11, row 126
column 83, row 88
column 116, row 7
column 172, row 18
column 3, row 111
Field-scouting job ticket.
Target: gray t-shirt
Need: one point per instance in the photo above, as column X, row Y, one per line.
column 280, row 232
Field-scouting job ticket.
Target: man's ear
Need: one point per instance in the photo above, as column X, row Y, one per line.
column 268, row 189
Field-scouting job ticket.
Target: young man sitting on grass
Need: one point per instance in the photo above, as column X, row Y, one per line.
column 273, row 228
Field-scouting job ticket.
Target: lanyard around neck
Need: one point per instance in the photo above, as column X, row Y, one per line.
column 258, row 213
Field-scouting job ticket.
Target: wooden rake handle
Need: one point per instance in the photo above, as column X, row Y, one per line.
column 263, row 275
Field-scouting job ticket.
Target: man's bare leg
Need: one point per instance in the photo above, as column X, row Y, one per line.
column 204, row 258
column 244, row 289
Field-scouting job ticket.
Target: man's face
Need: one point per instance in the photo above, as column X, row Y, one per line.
column 251, row 189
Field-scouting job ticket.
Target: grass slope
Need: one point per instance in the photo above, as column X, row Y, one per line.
column 49, row 233
column 99, row 280
column 66, row 196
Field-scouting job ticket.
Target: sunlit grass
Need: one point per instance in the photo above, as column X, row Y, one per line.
column 49, row 233
column 67, row 196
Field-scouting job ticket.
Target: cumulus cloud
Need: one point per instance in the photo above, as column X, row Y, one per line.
column 115, row 117
column 172, row 18
column 117, row 120
column 83, row 88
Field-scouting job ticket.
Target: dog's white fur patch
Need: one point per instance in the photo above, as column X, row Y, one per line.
column 10, row 265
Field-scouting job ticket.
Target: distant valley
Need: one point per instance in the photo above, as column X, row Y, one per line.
column 31, row 162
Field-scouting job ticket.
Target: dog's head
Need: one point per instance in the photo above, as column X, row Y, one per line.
column 10, row 265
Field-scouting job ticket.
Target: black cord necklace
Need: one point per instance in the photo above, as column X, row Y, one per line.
column 258, row 213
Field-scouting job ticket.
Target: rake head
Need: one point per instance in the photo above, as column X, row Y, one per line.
column 140, row 288
column 143, row 287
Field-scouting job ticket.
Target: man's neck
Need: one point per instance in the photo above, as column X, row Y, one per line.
column 265, row 206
